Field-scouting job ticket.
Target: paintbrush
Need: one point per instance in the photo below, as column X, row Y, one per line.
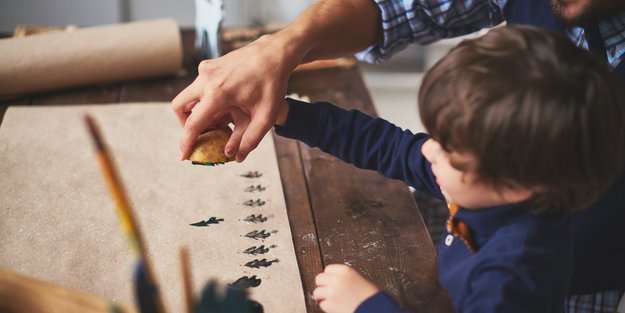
column 125, row 213
column 187, row 283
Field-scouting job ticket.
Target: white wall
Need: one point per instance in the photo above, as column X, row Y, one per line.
column 98, row 12
column 58, row 12
column 181, row 10
column 249, row 12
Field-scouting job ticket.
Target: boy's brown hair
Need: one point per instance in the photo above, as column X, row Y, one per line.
column 535, row 111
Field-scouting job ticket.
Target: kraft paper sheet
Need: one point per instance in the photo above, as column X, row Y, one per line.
column 58, row 223
column 89, row 55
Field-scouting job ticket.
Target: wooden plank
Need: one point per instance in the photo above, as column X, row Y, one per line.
column 83, row 95
column 300, row 216
column 154, row 90
column 362, row 218
column 191, row 57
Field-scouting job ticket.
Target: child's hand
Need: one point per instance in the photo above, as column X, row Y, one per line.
column 340, row 288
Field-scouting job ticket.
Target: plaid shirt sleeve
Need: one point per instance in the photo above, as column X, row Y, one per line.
column 425, row 21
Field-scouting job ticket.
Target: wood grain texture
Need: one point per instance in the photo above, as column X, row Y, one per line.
column 300, row 215
column 98, row 94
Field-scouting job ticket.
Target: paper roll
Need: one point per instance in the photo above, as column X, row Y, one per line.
column 89, row 55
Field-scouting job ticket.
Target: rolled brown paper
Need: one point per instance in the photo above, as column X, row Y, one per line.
column 89, row 55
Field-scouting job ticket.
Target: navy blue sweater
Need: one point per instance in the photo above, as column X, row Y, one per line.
column 523, row 261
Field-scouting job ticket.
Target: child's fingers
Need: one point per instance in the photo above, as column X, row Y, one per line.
column 320, row 294
column 337, row 268
column 321, row 279
column 325, row 306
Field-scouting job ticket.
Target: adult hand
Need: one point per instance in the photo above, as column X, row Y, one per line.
column 254, row 78
column 340, row 288
column 246, row 86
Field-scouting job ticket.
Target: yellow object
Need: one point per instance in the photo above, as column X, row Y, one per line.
column 459, row 228
column 209, row 147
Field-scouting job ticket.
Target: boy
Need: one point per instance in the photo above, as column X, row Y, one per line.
column 523, row 130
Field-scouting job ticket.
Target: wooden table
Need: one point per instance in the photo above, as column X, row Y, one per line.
column 338, row 213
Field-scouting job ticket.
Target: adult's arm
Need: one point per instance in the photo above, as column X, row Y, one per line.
column 246, row 85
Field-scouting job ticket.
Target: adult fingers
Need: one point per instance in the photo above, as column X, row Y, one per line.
column 189, row 136
column 197, row 122
column 260, row 124
column 241, row 122
column 184, row 102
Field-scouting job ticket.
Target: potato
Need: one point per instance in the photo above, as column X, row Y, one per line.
column 209, row 147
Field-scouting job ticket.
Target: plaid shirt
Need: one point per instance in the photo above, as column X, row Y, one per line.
column 613, row 33
column 426, row 21
column 606, row 301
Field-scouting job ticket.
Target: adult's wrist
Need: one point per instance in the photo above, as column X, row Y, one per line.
column 294, row 45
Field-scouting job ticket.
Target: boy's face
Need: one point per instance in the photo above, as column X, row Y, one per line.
column 463, row 187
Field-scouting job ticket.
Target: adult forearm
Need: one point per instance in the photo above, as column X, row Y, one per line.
column 329, row 29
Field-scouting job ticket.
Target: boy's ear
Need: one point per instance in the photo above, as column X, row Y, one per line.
column 516, row 194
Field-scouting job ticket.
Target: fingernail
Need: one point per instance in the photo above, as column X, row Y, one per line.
column 228, row 152
column 241, row 157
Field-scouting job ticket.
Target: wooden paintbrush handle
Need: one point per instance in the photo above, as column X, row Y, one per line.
column 21, row 294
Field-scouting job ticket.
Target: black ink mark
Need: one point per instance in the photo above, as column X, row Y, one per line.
column 259, row 234
column 253, row 250
column 254, row 174
column 253, row 188
column 207, row 163
column 254, row 203
column 233, row 299
column 256, row 218
column 246, row 282
column 260, row 263
column 212, row 220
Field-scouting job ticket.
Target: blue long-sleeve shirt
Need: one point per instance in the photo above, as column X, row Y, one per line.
column 523, row 261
